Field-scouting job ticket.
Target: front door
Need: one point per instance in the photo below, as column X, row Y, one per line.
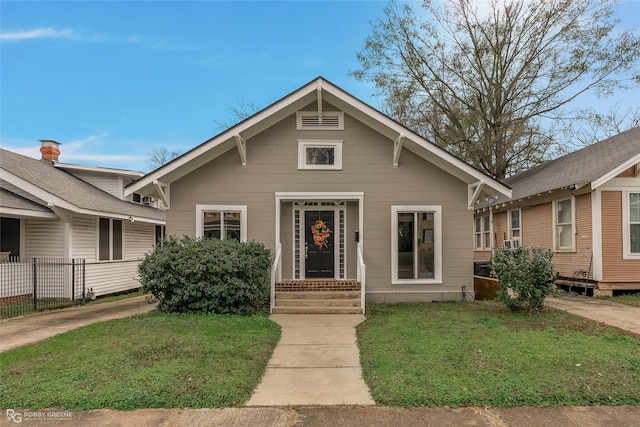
column 319, row 239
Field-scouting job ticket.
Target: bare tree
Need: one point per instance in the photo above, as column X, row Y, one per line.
column 242, row 111
column 161, row 156
column 488, row 86
column 599, row 126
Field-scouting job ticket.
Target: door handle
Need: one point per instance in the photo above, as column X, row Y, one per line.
column 306, row 251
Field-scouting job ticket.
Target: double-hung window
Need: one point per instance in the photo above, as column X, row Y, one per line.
column 564, row 224
column 631, row 225
column 110, row 239
column 514, row 224
column 225, row 222
column 482, row 232
column 416, row 239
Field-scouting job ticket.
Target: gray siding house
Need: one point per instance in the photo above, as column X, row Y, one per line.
column 346, row 199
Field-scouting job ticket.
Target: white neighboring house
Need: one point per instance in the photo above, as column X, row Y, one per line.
column 55, row 210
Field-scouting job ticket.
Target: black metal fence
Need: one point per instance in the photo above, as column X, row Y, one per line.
column 28, row 285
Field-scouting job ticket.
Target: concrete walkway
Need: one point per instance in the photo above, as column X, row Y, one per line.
column 316, row 362
column 621, row 316
column 20, row 331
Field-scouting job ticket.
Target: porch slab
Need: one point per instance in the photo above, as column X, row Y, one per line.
column 317, row 320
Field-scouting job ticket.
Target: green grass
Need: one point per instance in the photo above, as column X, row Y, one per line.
column 458, row 354
column 25, row 307
column 629, row 299
column 153, row 360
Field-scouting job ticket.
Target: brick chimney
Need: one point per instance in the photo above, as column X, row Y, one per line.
column 50, row 150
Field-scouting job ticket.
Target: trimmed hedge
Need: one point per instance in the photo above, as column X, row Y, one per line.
column 207, row 276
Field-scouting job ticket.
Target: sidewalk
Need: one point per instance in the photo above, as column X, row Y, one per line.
column 20, row 331
column 621, row 316
column 351, row 416
column 316, row 362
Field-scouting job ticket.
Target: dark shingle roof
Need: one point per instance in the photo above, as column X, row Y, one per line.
column 73, row 190
column 580, row 167
column 12, row 200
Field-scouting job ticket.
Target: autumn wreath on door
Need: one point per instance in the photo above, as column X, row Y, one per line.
column 321, row 233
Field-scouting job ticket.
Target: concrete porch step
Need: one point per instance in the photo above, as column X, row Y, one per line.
column 316, row 295
column 317, row 310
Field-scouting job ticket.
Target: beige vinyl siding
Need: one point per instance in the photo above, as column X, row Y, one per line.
column 272, row 166
column 569, row 264
column 537, row 225
column 84, row 237
column 614, row 267
column 139, row 239
column 111, row 184
column 44, row 238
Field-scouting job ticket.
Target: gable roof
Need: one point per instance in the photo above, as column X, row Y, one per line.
column 319, row 89
column 593, row 165
column 57, row 188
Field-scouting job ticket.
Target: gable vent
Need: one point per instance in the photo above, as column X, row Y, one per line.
column 310, row 120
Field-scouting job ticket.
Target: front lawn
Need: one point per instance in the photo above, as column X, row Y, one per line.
column 153, row 360
column 458, row 354
column 628, row 299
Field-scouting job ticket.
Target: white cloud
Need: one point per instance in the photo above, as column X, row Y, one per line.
column 38, row 33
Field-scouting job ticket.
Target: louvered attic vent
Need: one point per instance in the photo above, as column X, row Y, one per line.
column 310, row 120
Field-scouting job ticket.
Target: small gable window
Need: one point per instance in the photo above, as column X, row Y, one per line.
column 319, row 154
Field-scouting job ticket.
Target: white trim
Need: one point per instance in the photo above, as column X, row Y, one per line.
column 357, row 196
column 556, row 248
column 615, row 172
column 626, row 227
column 26, row 213
column 437, row 243
column 303, row 144
column 596, row 232
column 200, row 209
column 509, row 225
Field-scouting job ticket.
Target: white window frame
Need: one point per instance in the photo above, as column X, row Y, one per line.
column 481, row 233
column 511, row 229
column 303, row 144
column 437, row 244
column 111, row 246
column 201, row 209
column 556, row 242
column 626, row 226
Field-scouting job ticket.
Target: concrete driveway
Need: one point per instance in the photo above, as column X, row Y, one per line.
column 21, row 331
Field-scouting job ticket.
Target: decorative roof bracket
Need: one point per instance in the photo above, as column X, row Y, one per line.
column 474, row 192
column 163, row 192
column 319, row 92
column 397, row 149
column 242, row 149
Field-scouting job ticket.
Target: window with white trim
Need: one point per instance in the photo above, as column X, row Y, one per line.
column 564, row 224
column 482, row 233
column 110, row 238
column 631, row 225
column 515, row 232
column 416, row 244
column 222, row 222
column 319, row 154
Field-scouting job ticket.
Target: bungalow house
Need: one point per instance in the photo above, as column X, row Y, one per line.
column 56, row 210
column 345, row 198
column 584, row 206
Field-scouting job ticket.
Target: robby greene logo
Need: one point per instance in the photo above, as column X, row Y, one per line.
column 20, row 416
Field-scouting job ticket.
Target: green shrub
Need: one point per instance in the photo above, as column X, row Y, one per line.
column 525, row 276
column 207, row 276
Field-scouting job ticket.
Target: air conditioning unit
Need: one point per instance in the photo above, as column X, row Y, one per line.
column 511, row 244
column 147, row 200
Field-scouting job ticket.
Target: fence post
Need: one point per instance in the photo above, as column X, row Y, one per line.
column 35, row 285
column 84, row 278
column 73, row 279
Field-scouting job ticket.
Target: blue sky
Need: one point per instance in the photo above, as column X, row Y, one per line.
column 113, row 80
